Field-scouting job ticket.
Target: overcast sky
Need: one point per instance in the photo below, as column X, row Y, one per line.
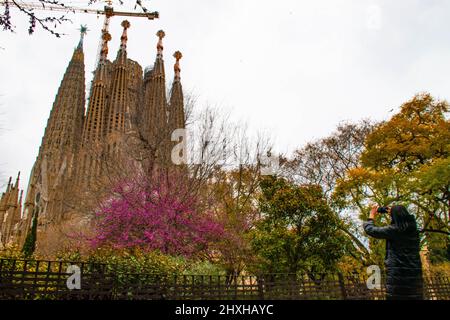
column 294, row 68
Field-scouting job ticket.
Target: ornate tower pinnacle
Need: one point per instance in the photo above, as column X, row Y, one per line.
column 122, row 53
column 123, row 39
column 83, row 30
column 101, row 70
column 104, row 52
column 177, row 55
column 161, row 34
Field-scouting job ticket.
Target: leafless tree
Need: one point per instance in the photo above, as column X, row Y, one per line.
column 223, row 170
column 326, row 160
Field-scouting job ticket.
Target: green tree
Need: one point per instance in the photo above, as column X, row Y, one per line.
column 234, row 194
column 298, row 231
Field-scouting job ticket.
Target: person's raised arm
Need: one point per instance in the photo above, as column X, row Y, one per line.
column 387, row 232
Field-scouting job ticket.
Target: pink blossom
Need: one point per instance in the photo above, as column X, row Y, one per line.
column 162, row 215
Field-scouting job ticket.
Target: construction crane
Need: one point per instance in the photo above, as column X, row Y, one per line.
column 108, row 11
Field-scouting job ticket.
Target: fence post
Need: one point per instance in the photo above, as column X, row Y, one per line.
column 235, row 286
column 260, row 280
column 342, row 286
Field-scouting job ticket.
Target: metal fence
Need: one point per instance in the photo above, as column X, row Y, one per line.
column 30, row 279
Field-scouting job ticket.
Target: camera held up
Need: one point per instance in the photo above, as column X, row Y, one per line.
column 382, row 209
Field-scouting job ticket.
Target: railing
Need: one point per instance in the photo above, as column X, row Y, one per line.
column 29, row 279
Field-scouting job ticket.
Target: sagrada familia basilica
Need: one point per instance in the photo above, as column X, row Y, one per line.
column 126, row 104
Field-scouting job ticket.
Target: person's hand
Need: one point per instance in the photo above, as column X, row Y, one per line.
column 373, row 212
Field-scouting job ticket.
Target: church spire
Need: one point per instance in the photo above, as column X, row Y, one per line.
column 94, row 124
column 176, row 103
column 10, row 213
column 155, row 116
column 122, row 54
column 9, row 184
column 101, row 71
column 15, row 192
column 63, row 131
column 66, row 117
column 17, row 180
column 118, row 113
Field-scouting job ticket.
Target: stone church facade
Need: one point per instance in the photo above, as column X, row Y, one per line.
column 126, row 107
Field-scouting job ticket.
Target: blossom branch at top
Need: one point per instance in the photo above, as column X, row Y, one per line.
column 48, row 21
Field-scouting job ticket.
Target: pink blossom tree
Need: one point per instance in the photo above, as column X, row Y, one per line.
column 164, row 213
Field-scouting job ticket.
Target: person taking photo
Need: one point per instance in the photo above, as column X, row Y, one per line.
column 403, row 265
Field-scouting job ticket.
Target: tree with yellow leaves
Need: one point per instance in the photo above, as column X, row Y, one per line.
column 407, row 160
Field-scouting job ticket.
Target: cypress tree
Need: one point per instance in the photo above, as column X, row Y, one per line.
column 30, row 242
